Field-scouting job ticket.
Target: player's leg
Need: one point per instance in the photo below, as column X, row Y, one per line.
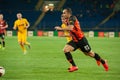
column 0, row 41
column 67, row 49
column 0, row 44
column 24, row 41
column 28, row 44
column 21, row 45
column 70, row 46
column 20, row 41
column 85, row 47
column 3, row 41
column 98, row 59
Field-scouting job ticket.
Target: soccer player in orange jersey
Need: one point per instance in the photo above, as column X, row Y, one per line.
column 22, row 24
column 78, row 41
column 3, row 26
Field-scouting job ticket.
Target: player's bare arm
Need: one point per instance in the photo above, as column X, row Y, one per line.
column 6, row 26
column 64, row 35
column 68, row 28
column 27, row 26
column 14, row 28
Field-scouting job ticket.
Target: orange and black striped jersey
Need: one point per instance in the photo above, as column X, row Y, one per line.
column 76, row 33
column 2, row 24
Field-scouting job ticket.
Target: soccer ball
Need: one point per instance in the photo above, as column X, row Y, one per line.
column 2, row 71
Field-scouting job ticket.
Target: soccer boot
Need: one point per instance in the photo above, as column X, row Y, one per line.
column 73, row 68
column 105, row 65
column 98, row 62
column 70, row 66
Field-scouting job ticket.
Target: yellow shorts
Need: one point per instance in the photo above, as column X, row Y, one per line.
column 22, row 37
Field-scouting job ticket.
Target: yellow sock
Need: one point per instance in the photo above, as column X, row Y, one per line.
column 23, row 48
column 27, row 43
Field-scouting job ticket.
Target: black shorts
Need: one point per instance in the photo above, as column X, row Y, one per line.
column 82, row 44
column 2, row 35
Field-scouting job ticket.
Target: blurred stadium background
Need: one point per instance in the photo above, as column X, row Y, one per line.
column 45, row 60
column 100, row 17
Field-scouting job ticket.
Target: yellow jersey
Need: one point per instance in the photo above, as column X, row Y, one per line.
column 69, row 38
column 21, row 25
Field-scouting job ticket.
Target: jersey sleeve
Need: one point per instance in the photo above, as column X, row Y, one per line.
column 63, row 25
column 15, row 24
column 72, row 20
column 26, row 21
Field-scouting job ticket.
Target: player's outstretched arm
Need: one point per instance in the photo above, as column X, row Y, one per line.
column 68, row 28
column 6, row 26
column 58, row 28
column 15, row 25
column 27, row 24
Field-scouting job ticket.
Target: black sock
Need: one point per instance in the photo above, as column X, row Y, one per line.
column 3, row 43
column 69, row 58
column 97, row 57
column 102, row 61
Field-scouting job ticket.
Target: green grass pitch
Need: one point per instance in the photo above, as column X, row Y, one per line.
column 46, row 61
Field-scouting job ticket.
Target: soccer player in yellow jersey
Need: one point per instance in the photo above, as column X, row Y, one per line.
column 66, row 33
column 21, row 24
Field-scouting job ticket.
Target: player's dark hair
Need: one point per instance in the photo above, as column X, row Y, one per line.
column 1, row 14
column 19, row 13
column 69, row 10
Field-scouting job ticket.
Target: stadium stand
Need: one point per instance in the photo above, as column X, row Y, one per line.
column 89, row 12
